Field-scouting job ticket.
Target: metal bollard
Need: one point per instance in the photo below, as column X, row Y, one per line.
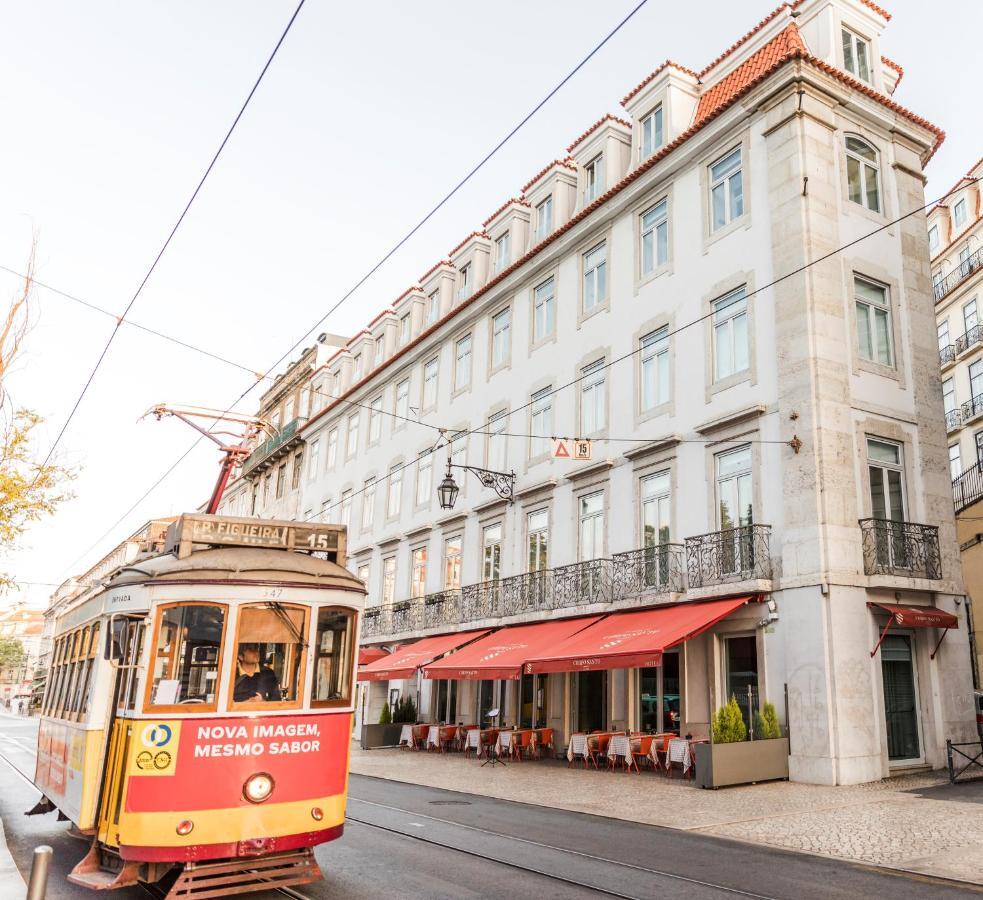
column 38, row 885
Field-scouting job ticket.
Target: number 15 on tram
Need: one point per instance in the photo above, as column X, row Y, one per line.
column 198, row 710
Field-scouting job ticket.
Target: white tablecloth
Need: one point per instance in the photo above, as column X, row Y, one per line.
column 578, row 746
column 406, row 735
column 679, row 752
column 620, row 745
column 433, row 737
column 472, row 739
column 504, row 744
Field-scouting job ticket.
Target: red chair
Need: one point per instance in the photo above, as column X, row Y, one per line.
column 543, row 742
column 522, row 744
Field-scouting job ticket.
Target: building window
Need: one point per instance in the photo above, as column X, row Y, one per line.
column 491, row 556
column 538, row 540
column 352, row 435
column 592, row 526
column 741, row 655
column 464, row 280
column 375, row 420
column 933, row 238
column 281, row 479
column 459, row 453
column 959, row 213
column 730, row 337
column 402, row 402
column 652, row 132
column 544, row 314
column 433, row 307
column 332, row 454
column 592, row 399
column 317, row 397
column 544, row 218
column 503, row 252
column 955, row 464
column 861, row 174
column 380, row 351
column 418, row 574
column 452, row 564
column 964, row 264
column 424, row 478
column 970, row 316
column 288, row 411
column 856, row 55
column 976, row 379
column 873, row 322
column 345, row 514
column 727, row 189
column 943, row 332
column 430, row 383
column 595, row 277
column 593, row 179
column 501, row 337
column 275, row 421
column 734, row 488
column 655, row 369
column 314, row 460
column 884, row 466
column 404, row 330
column 948, row 397
column 357, row 367
column 368, row 504
column 325, row 508
column 395, row 494
column 655, row 237
column 541, row 422
column 362, row 574
column 655, row 496
column 497, row 442
column 295, row 472
column 266, row 491
column 462, row 363
column 389, row 579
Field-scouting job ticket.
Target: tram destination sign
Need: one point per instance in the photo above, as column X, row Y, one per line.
column 277, row 534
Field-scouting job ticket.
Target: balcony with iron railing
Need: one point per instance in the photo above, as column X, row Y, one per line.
column 969, row 340
column 967, row 488
column 965, row 268
column 953, row 419
column 971, row 409
column 733, row 554
column 906, row 549
column 270, row 447
column 947, row 355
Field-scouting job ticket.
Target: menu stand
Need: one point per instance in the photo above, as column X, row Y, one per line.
column 489, row 759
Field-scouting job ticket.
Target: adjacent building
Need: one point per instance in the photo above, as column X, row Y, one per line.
column 763, row 427
column 22, row 625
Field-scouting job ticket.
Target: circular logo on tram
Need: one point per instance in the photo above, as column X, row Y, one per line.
column 162, row 760
column 145, row 760
column 156, row 735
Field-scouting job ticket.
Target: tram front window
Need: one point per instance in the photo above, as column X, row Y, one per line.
column 334, row 650
column 271, row 648
column 186, row 658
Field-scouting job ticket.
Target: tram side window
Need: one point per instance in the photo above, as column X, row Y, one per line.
column 51, row 688
column 65, row 676
column 78, row 666
column 271, row 648
column 187, row 655
column 334, row 652
column 85, row 692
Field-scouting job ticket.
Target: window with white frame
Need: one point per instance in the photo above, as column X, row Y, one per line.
column 389, row 579
column 288, row 410
column 336, row 384
column 464, row 282
column 727, row 189
column 345, row 513
column 275, row 421
column 856, row 55
column 503, row 252
column 544, row 218
column 501, row 337
column 734, row 489
column 497, row 442
column 317, row 396
column 541, row 422
column 655, row 237
column 296, row 471
column 266, row 490
column 404, row 330
column 730, row 335
column 402, row 402
column 418, row 572
column 959, row 213
column 593, row 179
column 873, row 322
column 362, row 574
column 655, row 499
column 654, row 362
column 886, row 470
column 394, row 498
column 975, row 371
column 964, row 264
column 375, row 420
column 595, row 277
column 313, row 460
column 651, row 128
column 325, row 507
column 593, row 400
column 955, row 462
column 491, row 553
column 430, row 369
column 544, row 311
column 368, row 503
column 933, row 238
column 424, row 478
column 352, row 447
column 592, row 526
column 970, row 316
column 462, row 363
column 949, row 396
column 459, row 453
column 452, row 564
column 538, row 540
column 862, row 176
column 380, row 350
column 943, row 332
column 332, row 454
column 357, row 367
column 433, row 307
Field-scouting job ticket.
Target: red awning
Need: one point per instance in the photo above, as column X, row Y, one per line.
column 918, row 616
column 632, row 640
column 404, row 661
column 368, row 655
column 502, row 653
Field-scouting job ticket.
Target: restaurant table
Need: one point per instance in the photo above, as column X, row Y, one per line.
column 433, row 737
column 679, row 751
column 406, row 736
column 472, row 740
column 420, row 733
column 620, row 745
column 577, row 747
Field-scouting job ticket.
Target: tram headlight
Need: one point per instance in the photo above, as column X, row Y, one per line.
column 258, row 787
column 317, row 814
column 185, row 827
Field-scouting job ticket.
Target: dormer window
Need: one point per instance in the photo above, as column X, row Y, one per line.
column 652, row 132
column 380, row 348
column 544, row 218
column 433, row 307
column 404, row 330
column 856, row 55
column 465, row 282
column 503, row 252
column 357, row 367
column 933, row 238
column 593, row 179
column 959, row 213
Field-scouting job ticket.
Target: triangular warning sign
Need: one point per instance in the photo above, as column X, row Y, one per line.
column 560, row 450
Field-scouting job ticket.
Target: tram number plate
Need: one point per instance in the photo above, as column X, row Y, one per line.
column 238, row 532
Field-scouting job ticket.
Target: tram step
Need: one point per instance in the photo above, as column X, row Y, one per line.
column 200, row 881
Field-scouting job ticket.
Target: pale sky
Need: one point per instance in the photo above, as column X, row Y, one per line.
column 369, row 114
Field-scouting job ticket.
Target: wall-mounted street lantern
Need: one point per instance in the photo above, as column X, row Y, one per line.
column 503, row 483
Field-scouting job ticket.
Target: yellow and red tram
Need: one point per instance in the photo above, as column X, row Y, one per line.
column 198, row 709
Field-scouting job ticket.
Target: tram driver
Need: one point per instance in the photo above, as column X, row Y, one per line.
column 254, row 681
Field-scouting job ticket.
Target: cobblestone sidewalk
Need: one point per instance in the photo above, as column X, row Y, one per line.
column 885, row 823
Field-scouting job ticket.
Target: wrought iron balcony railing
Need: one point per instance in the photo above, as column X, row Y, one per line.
column 442, row 608
column 972, row 408
column 968, row 487
column 947, row 354
column 657, row 569
column 965, row 268
column 953, row 419
column 734, row 554
column 581, row 583
column 901, row 548
column 971, row 338
column 271, row 445
column 372, row 623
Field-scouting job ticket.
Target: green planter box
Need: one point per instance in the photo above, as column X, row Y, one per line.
column 375, row 736
column 744, row 762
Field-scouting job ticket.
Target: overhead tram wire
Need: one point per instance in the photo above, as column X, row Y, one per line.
column 170, row 236
column 389, row 254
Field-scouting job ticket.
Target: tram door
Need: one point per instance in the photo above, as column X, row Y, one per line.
column 126, row 637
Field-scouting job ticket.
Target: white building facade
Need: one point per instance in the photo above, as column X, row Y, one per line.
column 781, row 440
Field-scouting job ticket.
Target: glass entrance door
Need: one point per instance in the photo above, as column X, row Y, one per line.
column 532, row 709
column 592, row 690
column 900, row 699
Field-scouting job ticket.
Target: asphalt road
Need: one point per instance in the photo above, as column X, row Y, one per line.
column 408, row 841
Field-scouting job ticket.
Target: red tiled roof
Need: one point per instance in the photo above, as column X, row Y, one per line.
column 385, row 312
column 432, row 269
column 891, row 64
column 608, row 118
column 411, row 289
column 503, row 207
column 649, row 78
column 566, row 163
column 473, row 234
column 743, row 40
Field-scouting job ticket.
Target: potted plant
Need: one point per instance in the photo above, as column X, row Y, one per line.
column 734, row 756
column 386, row 732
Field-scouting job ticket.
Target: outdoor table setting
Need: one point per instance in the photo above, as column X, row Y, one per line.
column 406, row 736
column 621, row 745
column 680, row 751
